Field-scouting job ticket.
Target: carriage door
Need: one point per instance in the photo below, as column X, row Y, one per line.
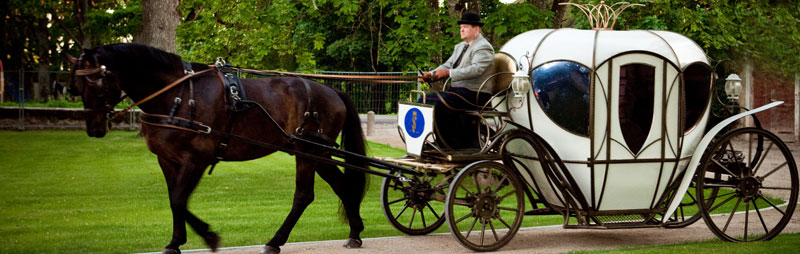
column 635, row 130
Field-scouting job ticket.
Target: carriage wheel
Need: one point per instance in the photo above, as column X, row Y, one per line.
column 485, row 204
column 416, row 207
column 758, row 187
column 688, row 212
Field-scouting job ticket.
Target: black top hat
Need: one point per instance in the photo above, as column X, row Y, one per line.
column 470, row 19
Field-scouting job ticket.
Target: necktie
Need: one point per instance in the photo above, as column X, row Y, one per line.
column 466, row 46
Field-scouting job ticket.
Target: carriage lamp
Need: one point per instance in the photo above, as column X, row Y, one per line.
column 521, row 83
column 733, row 85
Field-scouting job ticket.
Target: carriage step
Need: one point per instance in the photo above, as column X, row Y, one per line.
column 420, row 164
column 541, row 211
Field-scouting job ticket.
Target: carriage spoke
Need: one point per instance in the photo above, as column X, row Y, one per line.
column 771, row 204
column 766, row 231
column 475, row 182
column 720, row 204
column 471, row 227
column 746, row 218
column 723, row 167
column 507, row 209
column 432, row 211
column 422, row 215
column 413, row 214
column 463, row 218
column 775, row 188
column 501, row 198
column 469, row 193
column 491, row 225
column 500, row 184
column 401, row 199
column 401, row 212
column 500, row 218
column 732, row 213
column 694, row 200
column 483, row 230
column 762, row 158
column 720, row 185
column 776, row 169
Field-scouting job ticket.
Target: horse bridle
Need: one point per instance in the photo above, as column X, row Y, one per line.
column 108, row 103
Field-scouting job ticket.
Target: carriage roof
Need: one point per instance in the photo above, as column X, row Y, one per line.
column 591, row 48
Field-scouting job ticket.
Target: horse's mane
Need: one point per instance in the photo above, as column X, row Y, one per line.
column 134, row 56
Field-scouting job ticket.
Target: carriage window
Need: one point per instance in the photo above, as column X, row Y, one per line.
column 636, row 85
column 562, row 89
column 696, row 90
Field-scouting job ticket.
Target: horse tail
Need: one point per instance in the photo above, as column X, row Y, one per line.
column 353, row 141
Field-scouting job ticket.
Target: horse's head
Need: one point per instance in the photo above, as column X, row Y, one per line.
column 99, row 88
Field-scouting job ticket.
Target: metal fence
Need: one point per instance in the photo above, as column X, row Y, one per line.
column 380, row 98
column 18, row 86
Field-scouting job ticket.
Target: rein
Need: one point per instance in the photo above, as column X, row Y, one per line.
column 159, row 92
column 371, row 78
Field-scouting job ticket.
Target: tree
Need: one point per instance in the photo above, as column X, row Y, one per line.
column 160, row 19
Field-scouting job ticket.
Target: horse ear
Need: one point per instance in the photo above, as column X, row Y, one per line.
column 72, row 60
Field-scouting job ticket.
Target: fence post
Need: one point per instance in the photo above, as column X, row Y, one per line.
column 21, row 99
column 2, row 83
column 797, row 108
column 370, row 123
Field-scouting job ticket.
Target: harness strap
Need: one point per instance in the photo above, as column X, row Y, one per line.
column 159, row 92
column 176, row 103
column 314, row 116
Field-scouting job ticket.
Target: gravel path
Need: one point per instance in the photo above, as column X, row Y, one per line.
column 548, row 239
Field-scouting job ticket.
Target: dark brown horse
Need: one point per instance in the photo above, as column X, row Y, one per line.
column 100, row 75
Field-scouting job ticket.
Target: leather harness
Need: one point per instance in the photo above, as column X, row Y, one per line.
column 235, row 102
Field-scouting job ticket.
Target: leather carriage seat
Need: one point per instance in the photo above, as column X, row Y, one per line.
column 503, row 63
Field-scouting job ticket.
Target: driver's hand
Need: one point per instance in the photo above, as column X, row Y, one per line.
column 426, row 77
column 442, row 74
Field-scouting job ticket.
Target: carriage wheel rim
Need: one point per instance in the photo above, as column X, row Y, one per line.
column 424, row 218
column 747, row 191
column 482, row 218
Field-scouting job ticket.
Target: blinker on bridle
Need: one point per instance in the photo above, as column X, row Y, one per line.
column 103, row 71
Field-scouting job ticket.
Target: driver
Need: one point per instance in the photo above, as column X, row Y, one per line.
column 468, row 67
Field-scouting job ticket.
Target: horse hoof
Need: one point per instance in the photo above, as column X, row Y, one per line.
column 353, row 243
column 212, row 240
column 270, row 250
column 171, row 251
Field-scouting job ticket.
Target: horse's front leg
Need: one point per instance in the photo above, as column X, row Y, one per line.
column 181, row 181
column 303, row 196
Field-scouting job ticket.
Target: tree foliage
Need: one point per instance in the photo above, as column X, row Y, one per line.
column 381, row 35
column 765, row 32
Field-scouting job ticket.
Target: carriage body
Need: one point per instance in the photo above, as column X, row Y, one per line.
column 623, row 109
column 611, row 132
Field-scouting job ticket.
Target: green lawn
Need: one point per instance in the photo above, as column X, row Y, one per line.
column 63, row 192
column 784, row 243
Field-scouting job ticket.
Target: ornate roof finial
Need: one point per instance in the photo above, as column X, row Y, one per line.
column 602, row 16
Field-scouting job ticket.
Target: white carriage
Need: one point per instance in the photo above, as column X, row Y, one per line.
column 606, row 128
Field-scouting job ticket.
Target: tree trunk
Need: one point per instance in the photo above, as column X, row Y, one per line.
column 473, row 6
column 160, row 18
column 435, row 29
column 41, row 90
column 559, row 10
column 454, row 8
column 82, row 8
column 542, row 4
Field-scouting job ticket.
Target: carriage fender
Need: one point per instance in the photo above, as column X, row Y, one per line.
column 698, row 153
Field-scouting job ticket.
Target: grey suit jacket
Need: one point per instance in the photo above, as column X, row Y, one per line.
column 475, row 67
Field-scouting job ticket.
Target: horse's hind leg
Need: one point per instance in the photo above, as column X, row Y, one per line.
column 303, row 196
column 351, row 201
column 181, row 181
